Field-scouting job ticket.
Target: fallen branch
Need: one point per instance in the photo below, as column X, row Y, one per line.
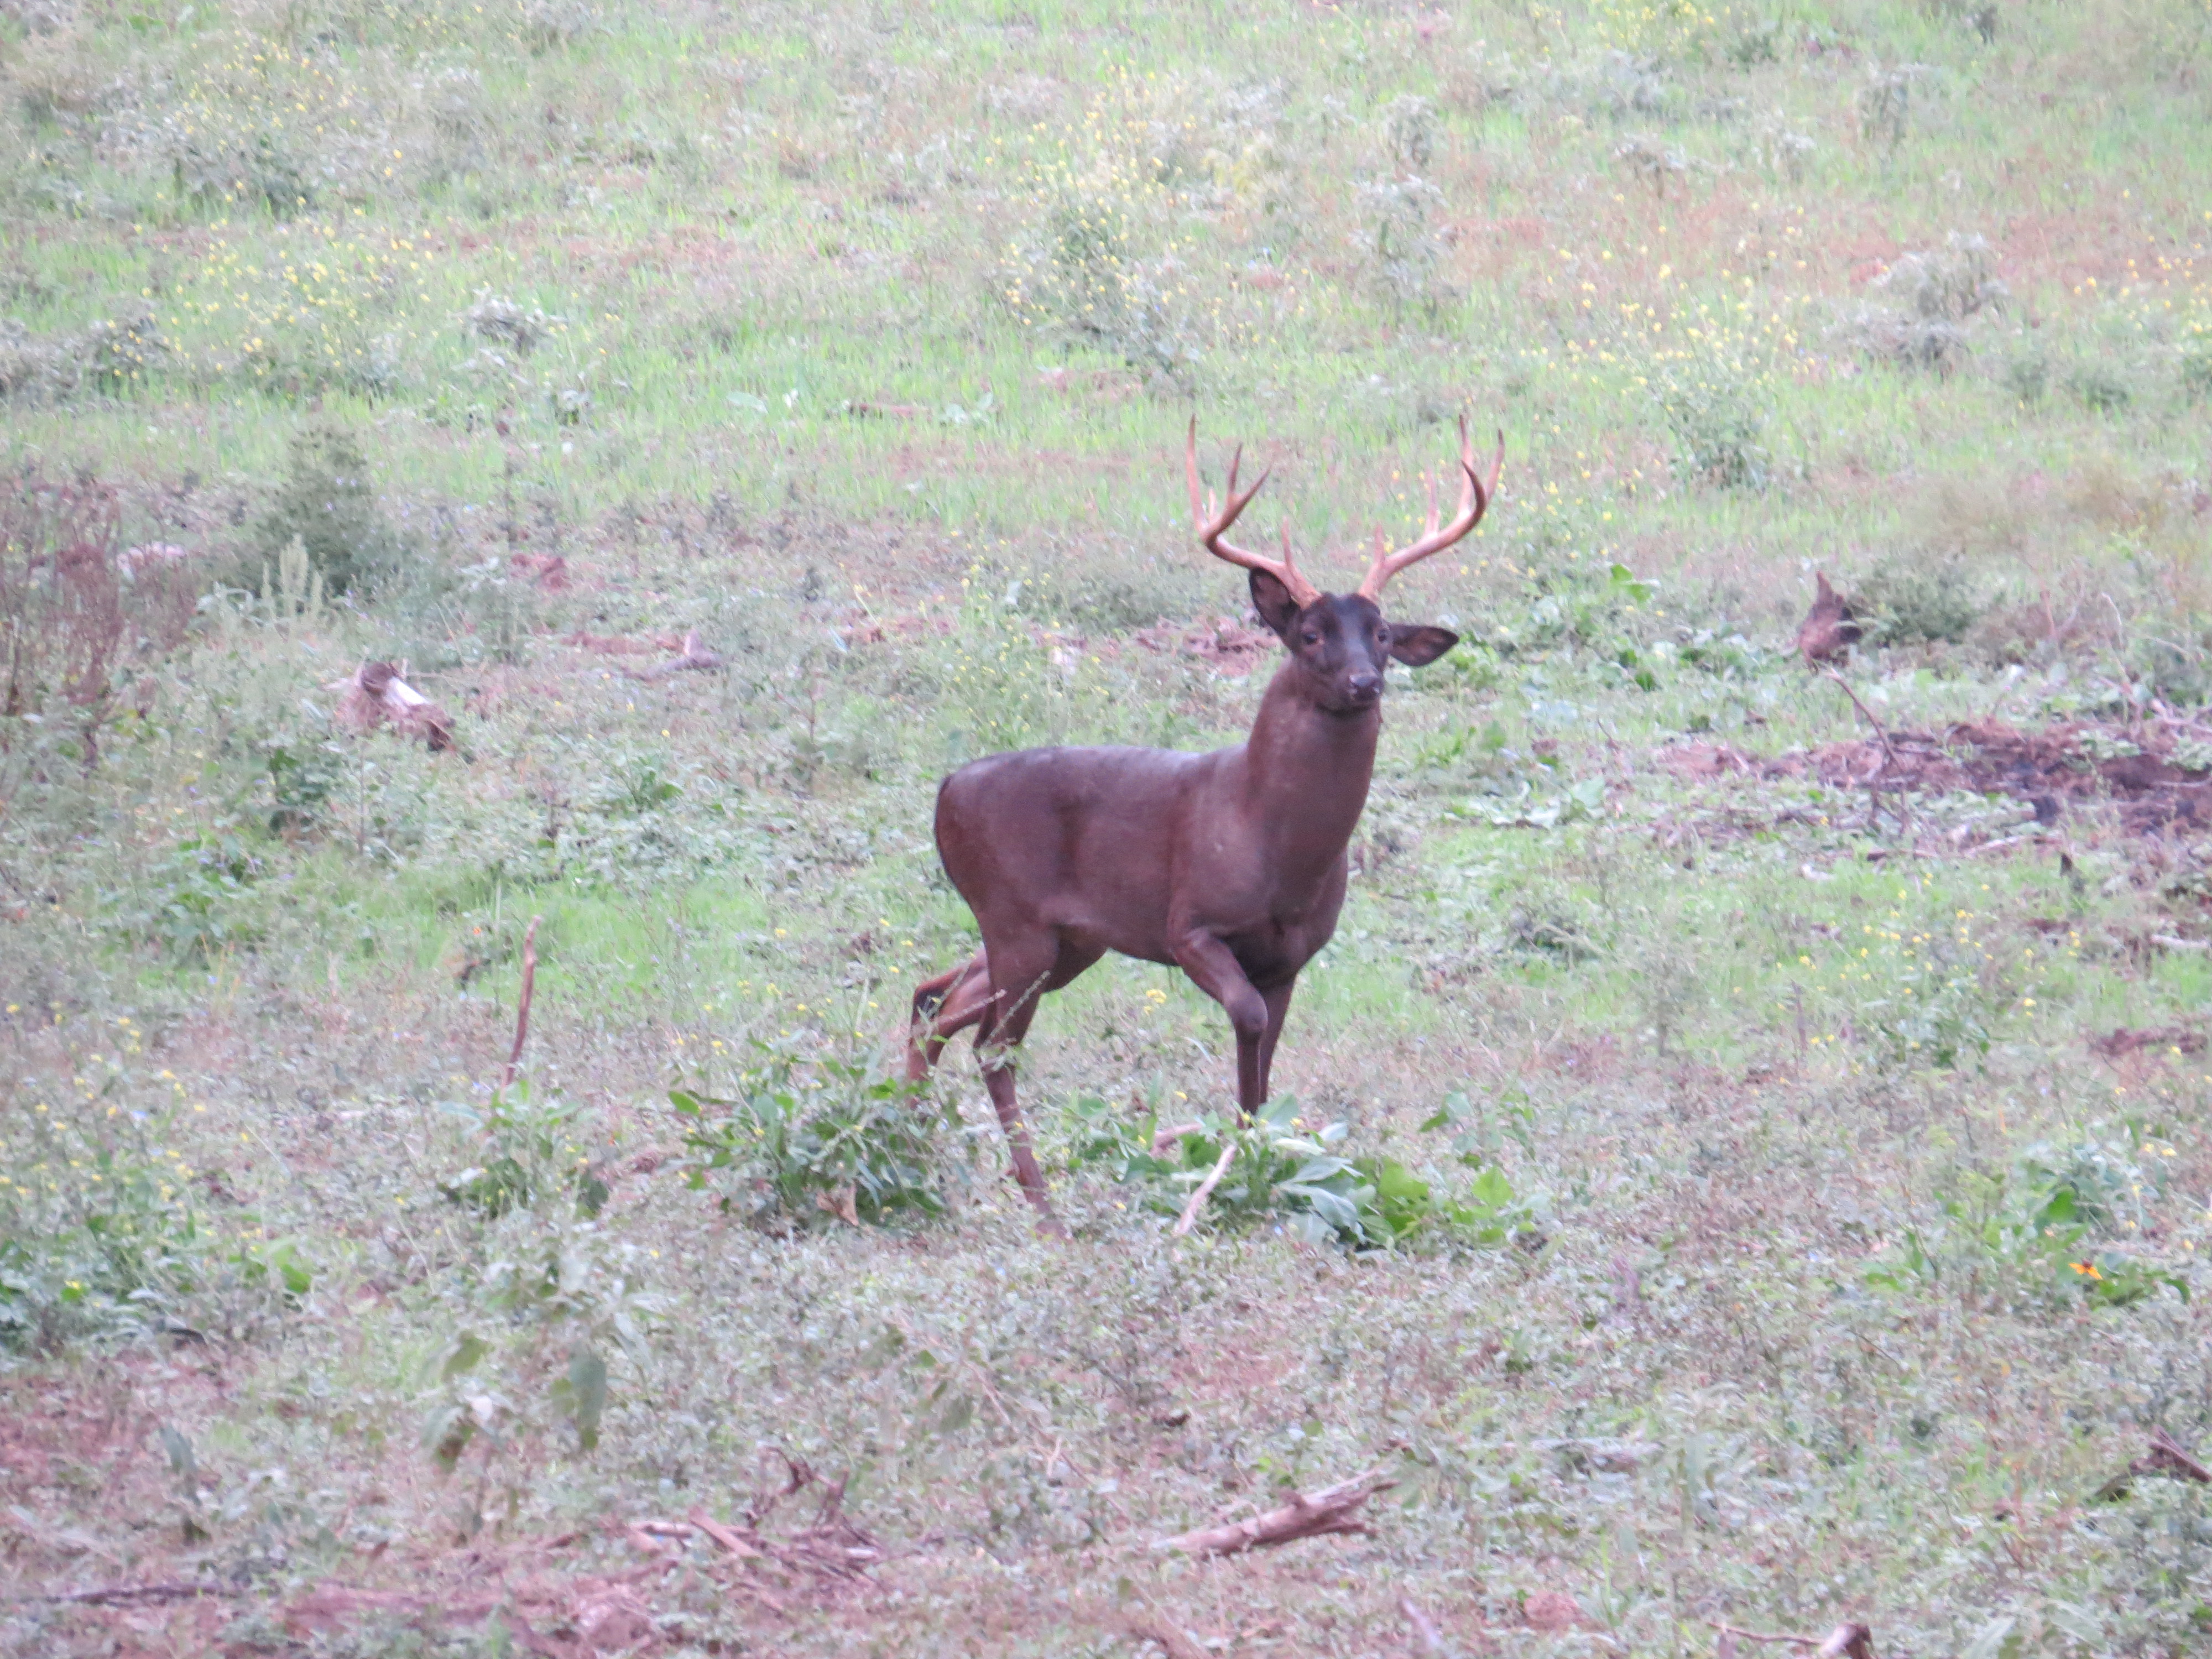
column 1163, row 1139
column 1177, row 1644
column 1308, row 1514
column 522, row 1006
column 376, row 695
column 727, row 1539
column 1204, row 1191
column 1881, row 731
column 692, row 656
column 2167, row 1457
column 1424, row 1629
column 118, row 1595
column 1845, row 1642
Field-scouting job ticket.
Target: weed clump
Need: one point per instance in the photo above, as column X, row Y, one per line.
column 2195, row 359
column 110, row 356
column 74, row 615
column 98, row 1230
column 1717, row 415
column 1913, row 599
column 1888, row 100
column 494, row 317
column 1943, row 291
column 2102, row 388
column 2055, row 1230
column 530, row 1150
column 1080, row 278
column 1403, row 252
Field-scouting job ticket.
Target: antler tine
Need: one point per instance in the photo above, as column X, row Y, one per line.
column 1212, row 526
column 1473, row 502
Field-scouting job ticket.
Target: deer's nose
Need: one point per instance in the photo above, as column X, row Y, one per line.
column 1366, row 684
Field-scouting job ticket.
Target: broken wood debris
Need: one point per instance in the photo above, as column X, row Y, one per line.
column 829, row 1547
column 1846, row 1641
column 1203, row 1191
column 2167, row 1456
column 377, row 694
column 694, row 656
column 133, row 1596
column 1308, row 1514
column 522, row 1002
column 1424, row 1628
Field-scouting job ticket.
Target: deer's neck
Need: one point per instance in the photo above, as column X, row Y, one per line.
column 1306, row 775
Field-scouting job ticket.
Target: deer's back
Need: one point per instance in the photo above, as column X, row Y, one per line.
column 1084, row 840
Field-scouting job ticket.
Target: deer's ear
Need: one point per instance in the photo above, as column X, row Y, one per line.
column 1417, row 644
column 1274, row 604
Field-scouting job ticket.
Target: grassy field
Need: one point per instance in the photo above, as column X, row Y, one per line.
column 1742, row 1160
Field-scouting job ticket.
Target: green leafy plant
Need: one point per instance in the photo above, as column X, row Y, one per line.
column 813, row 1139
column 192, row 903
column 529, row 1149
column 1281, row 1171
column 2045, row 1234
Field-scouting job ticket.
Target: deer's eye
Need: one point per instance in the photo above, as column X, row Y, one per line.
column 1312, row 638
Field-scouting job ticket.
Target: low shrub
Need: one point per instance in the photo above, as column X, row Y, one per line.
column 98, row 1229
column 1716, row 413
column 327, row 503
column 1914, row 600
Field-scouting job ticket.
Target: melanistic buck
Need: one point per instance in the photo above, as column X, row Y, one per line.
column 1230, row 865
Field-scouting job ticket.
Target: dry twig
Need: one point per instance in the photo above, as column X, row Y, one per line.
column 1308, row 1514
column 1881, row 731
column 1846, row 1641
column 119, row 1596
column 522, row 1006
column 1424, row 1629
column 694, row 655
column 1150, row 1628
column 1164, row 1139
column 724, row 1536
column 1203, row 1191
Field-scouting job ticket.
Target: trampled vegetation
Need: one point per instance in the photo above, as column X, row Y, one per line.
column 1742, row 1160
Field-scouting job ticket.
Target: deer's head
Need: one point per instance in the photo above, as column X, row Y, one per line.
column 1340, row 643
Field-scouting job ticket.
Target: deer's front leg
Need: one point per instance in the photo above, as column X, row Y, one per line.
column 1214, row 969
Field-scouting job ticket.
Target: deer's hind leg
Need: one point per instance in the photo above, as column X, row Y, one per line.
column 943, row 1008
column 1020, row 974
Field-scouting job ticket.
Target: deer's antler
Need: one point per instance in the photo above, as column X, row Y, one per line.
column 1473, row 502
column 1212, row 526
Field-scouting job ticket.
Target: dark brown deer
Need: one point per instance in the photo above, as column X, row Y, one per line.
column 1230, row 865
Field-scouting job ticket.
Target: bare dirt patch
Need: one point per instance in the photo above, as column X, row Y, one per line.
column 2056, row 769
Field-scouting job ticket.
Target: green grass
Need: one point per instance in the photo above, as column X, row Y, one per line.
column 1787, row 1083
